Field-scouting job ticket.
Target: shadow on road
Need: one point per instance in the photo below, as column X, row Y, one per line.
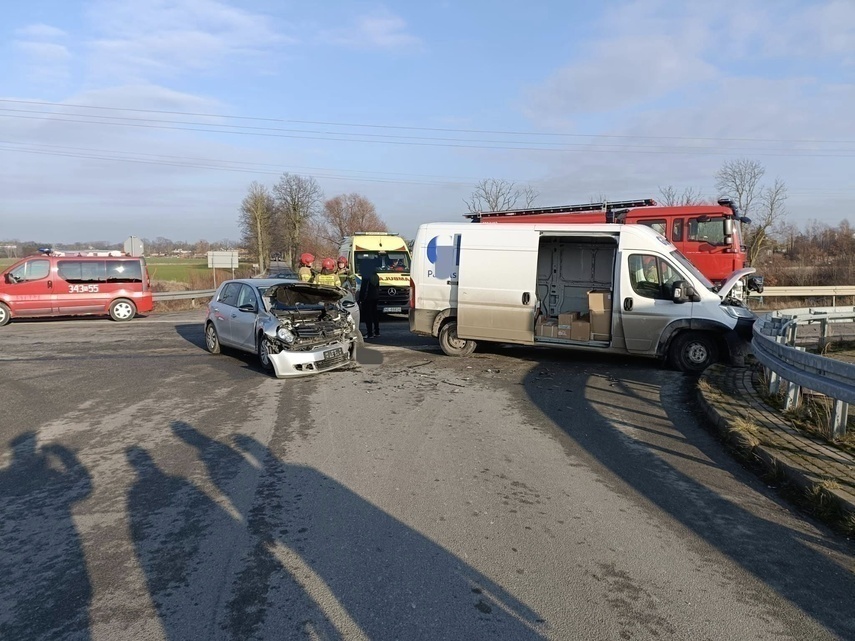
column 781, row 557
column 45, row 590
column 193, row 333
column 289, row 551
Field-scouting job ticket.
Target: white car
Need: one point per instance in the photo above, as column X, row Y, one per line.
column 296, row 328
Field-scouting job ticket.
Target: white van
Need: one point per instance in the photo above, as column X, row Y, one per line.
column 620, row 289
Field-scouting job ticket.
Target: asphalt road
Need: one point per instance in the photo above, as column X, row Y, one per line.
column 150, row 490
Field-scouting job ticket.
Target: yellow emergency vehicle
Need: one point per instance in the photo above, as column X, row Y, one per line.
column 389, row 254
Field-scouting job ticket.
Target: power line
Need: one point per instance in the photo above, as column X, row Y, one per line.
column 420, row 128
column 125, row 154
column 624, row 149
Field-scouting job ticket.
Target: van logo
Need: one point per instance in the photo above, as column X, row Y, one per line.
column 392, row 291
column 443, row 254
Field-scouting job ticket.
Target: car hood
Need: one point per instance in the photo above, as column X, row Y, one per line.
column 295, row 294
column 724, row 290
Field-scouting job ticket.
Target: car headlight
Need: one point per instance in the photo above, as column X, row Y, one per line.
column 284, row 334
column 737, row 312
column 351, row 321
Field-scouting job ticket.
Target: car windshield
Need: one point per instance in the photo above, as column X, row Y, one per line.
column 686, row 263
column 383, row 261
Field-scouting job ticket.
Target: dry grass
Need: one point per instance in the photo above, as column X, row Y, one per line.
column 746, row 429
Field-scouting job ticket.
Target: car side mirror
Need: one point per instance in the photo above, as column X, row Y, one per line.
column 8, row 278
column 348, row 304
column 249, row 307
column 755, row 284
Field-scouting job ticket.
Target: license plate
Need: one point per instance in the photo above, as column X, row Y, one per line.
column 389, row 310
column 332, row 353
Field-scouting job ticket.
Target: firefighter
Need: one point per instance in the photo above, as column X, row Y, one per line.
column 347, row 279
column 328, row 275
column 307, row 274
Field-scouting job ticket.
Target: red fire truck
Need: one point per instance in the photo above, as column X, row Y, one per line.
column 708, row 235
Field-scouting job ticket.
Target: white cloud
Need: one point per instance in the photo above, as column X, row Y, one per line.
column 152, row 38
column 379, row 31
column 40, row 32
column 43, row 52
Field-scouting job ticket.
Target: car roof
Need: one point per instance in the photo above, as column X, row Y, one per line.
column 262, row 282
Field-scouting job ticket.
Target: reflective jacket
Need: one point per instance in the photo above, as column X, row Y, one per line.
column 328, row 279
column 306, row 274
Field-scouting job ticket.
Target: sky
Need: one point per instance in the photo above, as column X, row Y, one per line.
column 152, row 117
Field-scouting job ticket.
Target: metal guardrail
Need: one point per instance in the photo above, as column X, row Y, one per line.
column 774, row 344
column 199, row 293
column 832, row 291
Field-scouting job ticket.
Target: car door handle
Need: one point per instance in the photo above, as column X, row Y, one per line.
column 627, row 304
column 526, row 297
column 234, row 315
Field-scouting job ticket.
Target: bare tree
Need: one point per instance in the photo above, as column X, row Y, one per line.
column 298, row 199
column 740, row 180
column 671, row 198
column 494, row 194
column 770, row 215
column 255, row 219
column 346, row 214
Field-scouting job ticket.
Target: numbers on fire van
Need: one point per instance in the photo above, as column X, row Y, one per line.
column 83, row 289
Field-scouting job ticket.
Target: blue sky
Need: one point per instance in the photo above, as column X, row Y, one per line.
column 151, row 117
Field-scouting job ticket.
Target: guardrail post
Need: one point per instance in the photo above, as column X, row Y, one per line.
column 823, row 334
column 794, row 392
column 774, row 377
column 838, row 419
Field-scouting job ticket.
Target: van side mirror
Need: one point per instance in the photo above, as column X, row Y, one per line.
column 678, row 291
column 682, row 292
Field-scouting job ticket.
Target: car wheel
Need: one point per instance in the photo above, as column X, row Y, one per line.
column 693, row 352
column 5, row 315
column 122, row 310
column 451, row 344
column 212, row 339
column 264, row 353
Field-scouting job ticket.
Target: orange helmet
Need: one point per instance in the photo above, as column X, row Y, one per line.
column 343, row 259
column 328, row 263
column 307, row 259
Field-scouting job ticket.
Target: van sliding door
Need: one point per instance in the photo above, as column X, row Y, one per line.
column 498, row 279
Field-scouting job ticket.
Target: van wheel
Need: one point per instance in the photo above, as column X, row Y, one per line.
column 451, row 344
column 264, row 353
column 212, row 339
column 122, row 310
column 693, row 352
column 5, row 315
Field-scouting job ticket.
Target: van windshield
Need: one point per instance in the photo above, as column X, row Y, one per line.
column 689, row 267
column 383, row 261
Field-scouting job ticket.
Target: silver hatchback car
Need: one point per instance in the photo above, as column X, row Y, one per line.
column 296, row 328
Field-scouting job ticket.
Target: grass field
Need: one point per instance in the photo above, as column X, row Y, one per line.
column 182, row 270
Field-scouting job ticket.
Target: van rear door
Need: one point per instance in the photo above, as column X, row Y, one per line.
column 496, row 287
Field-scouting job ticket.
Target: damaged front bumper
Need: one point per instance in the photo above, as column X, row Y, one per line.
column 287, row 364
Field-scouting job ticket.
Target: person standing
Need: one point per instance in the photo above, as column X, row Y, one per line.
column 344, row 274
column 328, row 275
column 369, row 295
column 306, row 273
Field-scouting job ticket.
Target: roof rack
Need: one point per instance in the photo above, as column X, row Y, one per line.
column 566, row 209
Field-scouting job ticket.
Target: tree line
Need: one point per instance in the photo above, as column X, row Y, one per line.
column 293, row 217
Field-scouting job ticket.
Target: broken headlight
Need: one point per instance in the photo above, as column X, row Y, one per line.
column 285, row 334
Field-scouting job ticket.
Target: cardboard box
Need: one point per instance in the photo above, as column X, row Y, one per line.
column 546, row 327
column 566, row 319
column 601, row 322
column 580, row 330
column 599, row 301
